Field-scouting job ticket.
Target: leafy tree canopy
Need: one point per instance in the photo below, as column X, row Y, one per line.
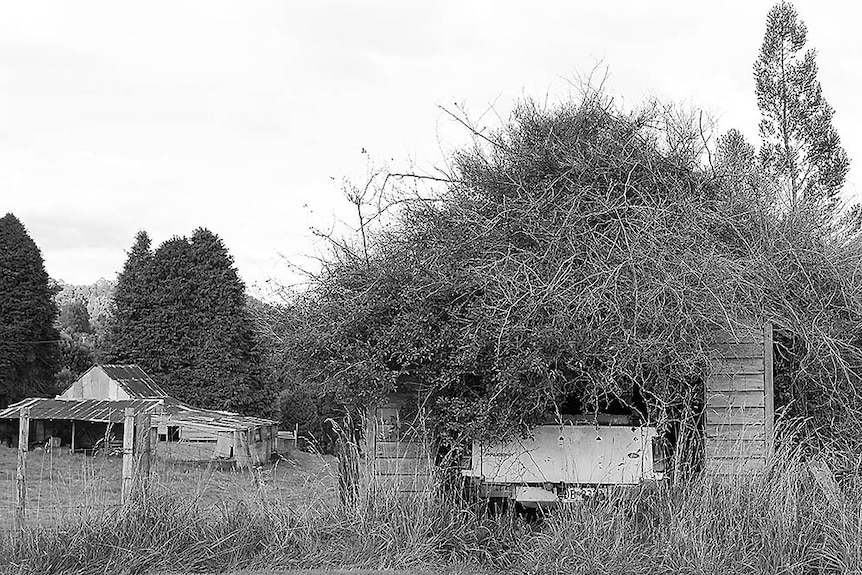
column 74, row 318
column 800, row 145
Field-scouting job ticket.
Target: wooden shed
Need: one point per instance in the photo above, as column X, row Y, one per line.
column 738, row 417
column 189, row 434
column 90, row 412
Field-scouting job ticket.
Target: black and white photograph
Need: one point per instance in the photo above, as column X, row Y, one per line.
column 389, row 288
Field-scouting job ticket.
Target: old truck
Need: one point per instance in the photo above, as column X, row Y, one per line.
column 565, row 462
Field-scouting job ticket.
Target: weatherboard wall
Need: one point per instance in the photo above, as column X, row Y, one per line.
column 739, row 403
column 400, row 457
column 95, row 384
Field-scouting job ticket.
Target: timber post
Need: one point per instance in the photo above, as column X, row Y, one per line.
column 144, row 445
column 21, row 473
column 769, row 388
column 128, row 454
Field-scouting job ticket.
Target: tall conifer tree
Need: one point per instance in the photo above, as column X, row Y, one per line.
column 189, row 327
column 800, row 144
column 127, row 326
column 28, row 339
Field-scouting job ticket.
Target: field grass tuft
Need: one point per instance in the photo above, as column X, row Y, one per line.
column 778, row 522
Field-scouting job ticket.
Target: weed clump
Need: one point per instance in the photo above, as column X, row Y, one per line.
column 777, row 521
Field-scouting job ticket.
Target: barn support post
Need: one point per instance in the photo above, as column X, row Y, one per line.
column 128, row 454
column 238, row 450
column 72, row 449
column 21, row 473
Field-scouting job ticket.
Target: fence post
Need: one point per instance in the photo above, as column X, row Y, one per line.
column 144, row 427
column 128, row 453
column 21, row 474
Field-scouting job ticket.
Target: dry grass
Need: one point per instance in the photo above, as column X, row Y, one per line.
column 780, row 522
column 63, row 487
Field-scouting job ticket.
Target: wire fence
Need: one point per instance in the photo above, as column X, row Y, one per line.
column 63, row 486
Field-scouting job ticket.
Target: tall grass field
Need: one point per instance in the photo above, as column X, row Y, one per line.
column 781, row 521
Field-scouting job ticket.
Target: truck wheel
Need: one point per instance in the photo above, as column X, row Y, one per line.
column 497, row 506
column 529, row 515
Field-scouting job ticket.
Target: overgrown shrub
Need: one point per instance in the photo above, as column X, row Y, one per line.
column 583, row 252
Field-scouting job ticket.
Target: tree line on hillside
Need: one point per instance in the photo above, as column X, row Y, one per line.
column 581, row 254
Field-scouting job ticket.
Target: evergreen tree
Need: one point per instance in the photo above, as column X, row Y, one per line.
column 181, row 315
column 132, row 298
column 800, row 144
column 28, row 339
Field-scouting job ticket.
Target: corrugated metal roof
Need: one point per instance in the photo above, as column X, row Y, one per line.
column 177, row 413
column 101, row 410
column 134, row 380
column 167, row 410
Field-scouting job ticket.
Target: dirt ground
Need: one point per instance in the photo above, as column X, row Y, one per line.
column 61, row 485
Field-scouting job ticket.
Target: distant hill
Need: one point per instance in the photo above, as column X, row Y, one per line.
column 97, row 298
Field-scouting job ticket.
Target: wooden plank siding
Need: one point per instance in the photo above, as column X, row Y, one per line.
column 398, row 457
column 735, row 382
column 735, row 399
column 734, row 466
column 733, row 432
column 734, row 448
column 739, row 366
column 738, row 396
column 735, row 416
column 412, row 449
column 403, row 466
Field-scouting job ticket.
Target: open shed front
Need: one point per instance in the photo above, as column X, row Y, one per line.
column 74, row 425
column 195, row 436
column 181, row 433
column 737, row 423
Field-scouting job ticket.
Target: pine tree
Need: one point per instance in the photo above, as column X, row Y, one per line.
column 28, row 339
column 132, row 298
column 184, row 321
column 800, row 144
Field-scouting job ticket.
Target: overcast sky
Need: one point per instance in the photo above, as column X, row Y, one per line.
column 243, row 117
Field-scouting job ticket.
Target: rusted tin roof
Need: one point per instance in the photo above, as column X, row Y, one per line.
column 134, row 380
column 176, row 413
column 100, row 410
column 167, row 410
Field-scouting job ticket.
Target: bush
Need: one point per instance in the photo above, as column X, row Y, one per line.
column 580, row 253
